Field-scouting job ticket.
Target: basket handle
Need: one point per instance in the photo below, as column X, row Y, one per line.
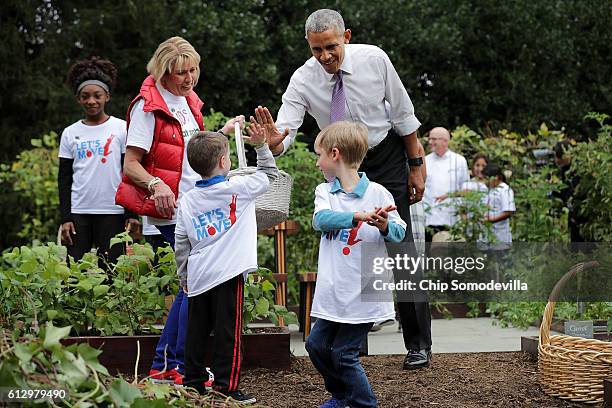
column 554, row 295
column 242, row 163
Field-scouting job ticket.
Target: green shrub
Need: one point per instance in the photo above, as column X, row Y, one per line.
column 524, row 314
column 536, row 218
column 471, row 211
column 32, row 181
column 592, row 163
column 39, row 286
column 74, row 377
column 489, row 64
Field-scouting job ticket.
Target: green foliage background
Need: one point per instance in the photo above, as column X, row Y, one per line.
column 476, row 67
column 593, row 164
column 38, row 285
column 486, row 64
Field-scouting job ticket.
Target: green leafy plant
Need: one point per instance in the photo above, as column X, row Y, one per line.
column 517, row 314
column 259, row 304
column 214, row 120
column 524, row 314
column 38, row 285
column 473, row 309
column 442, row 309
column 471, row 210
column 536, row 218
column 73, row 374
column 302, row 248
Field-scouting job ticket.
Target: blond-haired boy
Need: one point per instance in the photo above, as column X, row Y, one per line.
column 350, row 211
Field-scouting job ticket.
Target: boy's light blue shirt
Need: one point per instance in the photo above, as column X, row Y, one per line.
column 327, row 220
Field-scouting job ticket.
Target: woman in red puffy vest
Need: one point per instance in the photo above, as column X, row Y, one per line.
column 161, row 120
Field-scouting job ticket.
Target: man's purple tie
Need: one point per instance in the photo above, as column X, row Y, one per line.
column 338, row 101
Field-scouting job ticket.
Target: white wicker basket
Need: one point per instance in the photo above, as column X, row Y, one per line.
column 271, row 208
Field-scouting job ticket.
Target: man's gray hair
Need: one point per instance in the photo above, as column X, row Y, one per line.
column 324, row 19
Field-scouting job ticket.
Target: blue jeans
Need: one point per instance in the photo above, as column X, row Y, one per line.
column 334, row 351
column 172, row 339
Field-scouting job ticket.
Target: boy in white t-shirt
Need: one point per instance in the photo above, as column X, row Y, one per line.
column 500, row 200
column 216, row 247
column 350, row 211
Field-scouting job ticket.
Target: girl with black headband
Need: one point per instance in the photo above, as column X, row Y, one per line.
column 91, row 156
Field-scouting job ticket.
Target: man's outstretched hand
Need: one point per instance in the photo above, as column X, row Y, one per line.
column 275, row 138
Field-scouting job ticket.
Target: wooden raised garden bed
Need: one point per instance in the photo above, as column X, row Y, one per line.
column 263, row 349
column 457, row 310
column 600, row 332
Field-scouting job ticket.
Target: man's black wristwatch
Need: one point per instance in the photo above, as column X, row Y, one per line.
column 417, row 161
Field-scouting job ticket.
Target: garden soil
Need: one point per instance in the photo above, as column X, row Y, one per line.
column 469, row 380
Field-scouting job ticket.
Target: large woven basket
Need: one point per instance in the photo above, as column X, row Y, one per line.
column 271, row 208
column 569, row 367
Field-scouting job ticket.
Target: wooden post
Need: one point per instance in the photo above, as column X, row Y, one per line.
column 281, row 262
column 307, row 281
column 308, row 300
column 280, row 233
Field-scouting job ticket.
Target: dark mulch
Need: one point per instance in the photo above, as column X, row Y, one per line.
column 453, row 380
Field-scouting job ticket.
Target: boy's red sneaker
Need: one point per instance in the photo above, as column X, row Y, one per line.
column 178, row 381
column 165, row 377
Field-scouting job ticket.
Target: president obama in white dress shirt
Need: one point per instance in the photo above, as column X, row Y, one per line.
column 376, row 97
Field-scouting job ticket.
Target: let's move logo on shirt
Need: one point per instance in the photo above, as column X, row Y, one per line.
column 212, row 222
column 180, row 115
column 349, row 236
column 94, row 148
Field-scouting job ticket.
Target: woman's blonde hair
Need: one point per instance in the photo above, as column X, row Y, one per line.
column 350, row 138
column 172, row 53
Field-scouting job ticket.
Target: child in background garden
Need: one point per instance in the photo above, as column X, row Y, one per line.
column 477, row 182
column 91, row 156
column 343, row 319
column 216, row 246
column 472, row 193
column 500, row 200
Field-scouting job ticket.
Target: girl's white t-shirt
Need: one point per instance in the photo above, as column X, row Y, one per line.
column 96, row 151
column 339, row 296
column 140, row 134
column 474, row 185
